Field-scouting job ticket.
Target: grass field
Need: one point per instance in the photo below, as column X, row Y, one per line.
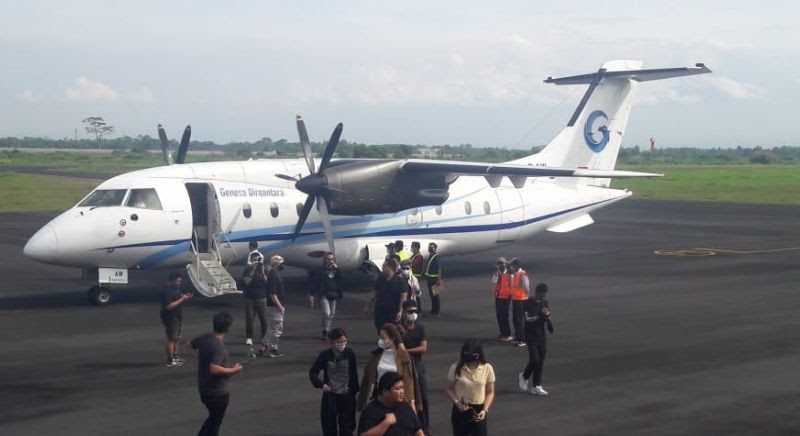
column 34, row 192
column 763, row 184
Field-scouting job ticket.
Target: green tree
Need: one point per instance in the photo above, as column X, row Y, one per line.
column 98, row 127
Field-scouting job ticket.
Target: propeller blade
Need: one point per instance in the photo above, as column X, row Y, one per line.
column 162, row 135
column 285, row 177
column 303, row 216
column 326, row 222
column 305, row 144
column 326, row 157
column 187, row 133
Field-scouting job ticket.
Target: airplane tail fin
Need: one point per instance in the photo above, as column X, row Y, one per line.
column 593, row 134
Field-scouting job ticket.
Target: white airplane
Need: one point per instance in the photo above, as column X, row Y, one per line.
column 203, row 215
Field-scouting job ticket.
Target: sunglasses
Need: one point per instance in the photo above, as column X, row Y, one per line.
column 406, row 268
column 412, row 311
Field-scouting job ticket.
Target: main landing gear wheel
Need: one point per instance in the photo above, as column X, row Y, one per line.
column 99, row 295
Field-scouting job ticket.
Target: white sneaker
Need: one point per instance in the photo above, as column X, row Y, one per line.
column 537, row 390
column 523, row 383
column 248, row 341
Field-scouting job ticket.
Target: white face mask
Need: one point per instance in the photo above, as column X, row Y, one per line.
column 340, row 347
column 383, row 344
column 412, row 317
column 406, row 273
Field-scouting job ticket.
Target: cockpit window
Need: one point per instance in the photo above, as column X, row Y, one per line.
column 104, row 197
column 144, row 199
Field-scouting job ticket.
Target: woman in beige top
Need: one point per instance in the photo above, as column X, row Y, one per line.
column 470, row 387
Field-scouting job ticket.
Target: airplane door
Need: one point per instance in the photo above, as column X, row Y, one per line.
column 205, row 215
column 512, row 214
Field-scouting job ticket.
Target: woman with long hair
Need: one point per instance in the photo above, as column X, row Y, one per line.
column 390, row 357
column 470, row 387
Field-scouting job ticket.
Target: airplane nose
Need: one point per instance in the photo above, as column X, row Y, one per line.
column 43, row 245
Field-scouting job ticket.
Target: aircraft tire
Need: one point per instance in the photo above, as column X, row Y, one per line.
column 99, row 295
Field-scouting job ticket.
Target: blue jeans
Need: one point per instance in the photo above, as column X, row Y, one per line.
column 328, row 312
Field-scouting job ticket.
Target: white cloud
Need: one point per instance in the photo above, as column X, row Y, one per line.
column 141, row 95
column 87, row 90
column 29, row 96
column 519, row 40
column 737, row 90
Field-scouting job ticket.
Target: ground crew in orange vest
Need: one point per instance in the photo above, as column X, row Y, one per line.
column 501, row 280
column 520, row 290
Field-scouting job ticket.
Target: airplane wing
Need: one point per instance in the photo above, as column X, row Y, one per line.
column 459, row 168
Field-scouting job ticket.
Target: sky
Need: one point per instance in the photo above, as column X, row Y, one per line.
column 434, row 73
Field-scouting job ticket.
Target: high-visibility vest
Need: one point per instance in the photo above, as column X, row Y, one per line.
column 428, row 272
column 404, row 255
column 502, row 289
column 421, row 264
column 517, row 290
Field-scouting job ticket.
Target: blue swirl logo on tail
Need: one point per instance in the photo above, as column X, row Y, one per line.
column 595, row 131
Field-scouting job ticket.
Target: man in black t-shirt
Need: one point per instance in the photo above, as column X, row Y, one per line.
column 172, row 317
column 388, row 414
column 536, row 314
column 213, row 372
column 390, row 293
column 415, row 342
column 255, row 296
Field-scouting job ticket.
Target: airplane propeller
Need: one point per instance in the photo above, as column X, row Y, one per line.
column 182, row 148
column 315, row 184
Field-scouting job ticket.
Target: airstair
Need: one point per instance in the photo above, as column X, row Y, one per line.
column 207, row 273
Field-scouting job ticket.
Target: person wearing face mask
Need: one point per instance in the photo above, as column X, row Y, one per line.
column 415, row 342
column 339, row 384
column 390, row 357
column 387, row 299
column 328, row 292
column 470, row 386
column 520, row 287
column 276, row 297
column 411, row 280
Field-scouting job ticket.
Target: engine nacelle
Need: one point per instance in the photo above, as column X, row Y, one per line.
column 369, row 187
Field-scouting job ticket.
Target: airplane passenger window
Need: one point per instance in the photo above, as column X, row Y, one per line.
column 487, row 208
column 144, row 199
column 273, row 209
column 468, row 207
column 104, row 198
column 247, row 211
column 438, row 210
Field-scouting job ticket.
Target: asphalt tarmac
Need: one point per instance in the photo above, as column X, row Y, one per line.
column 670, row 319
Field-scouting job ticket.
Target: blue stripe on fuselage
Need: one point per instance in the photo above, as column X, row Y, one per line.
column 285, row 239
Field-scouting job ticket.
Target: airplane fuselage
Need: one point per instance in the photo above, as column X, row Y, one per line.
column 252, row 204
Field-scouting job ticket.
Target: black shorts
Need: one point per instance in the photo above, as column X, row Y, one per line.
column 172, row 327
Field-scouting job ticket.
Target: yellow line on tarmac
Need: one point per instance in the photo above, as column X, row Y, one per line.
column 700, row 251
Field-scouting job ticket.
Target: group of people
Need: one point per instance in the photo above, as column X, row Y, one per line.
column 392, row 393
column 265, row 298
column 530, row 315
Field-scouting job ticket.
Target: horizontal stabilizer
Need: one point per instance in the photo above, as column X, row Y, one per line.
column 644, row 75
column 573, row 224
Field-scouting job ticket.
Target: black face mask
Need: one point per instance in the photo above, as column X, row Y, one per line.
column 280, row 267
